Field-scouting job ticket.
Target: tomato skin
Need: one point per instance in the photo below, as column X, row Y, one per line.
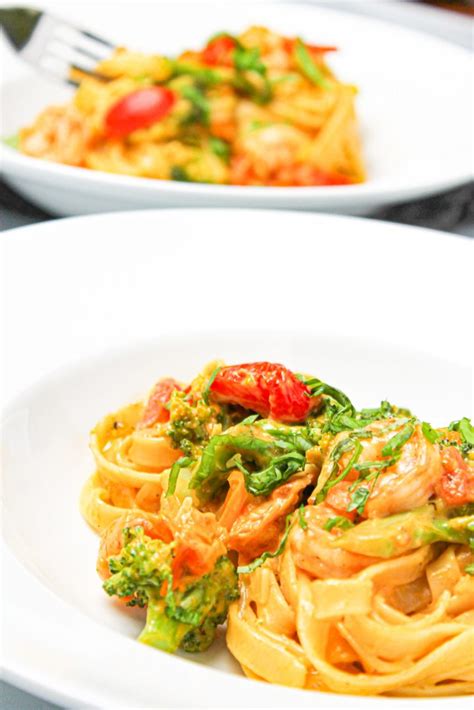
column 264, row 387
column 456, row 486
column 219, row 51
column 139, row 109
column 155, row 410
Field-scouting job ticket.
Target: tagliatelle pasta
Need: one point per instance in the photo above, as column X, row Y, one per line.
column 337, row 543
column 251, row 109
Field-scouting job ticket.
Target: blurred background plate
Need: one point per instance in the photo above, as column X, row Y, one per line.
column 415, row 109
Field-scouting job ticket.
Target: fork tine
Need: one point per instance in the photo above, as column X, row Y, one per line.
column 87, row 53
column 100, row 40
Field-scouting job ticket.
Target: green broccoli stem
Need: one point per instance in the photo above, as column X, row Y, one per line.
column 160, row 630
column 400, row 533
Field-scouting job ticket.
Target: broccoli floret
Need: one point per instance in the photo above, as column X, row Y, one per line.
column 190, row 422
column 176, row 618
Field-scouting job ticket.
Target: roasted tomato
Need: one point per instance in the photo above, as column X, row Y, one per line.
column 456, row 486
column 219, row 51
column 264, row 387
column 155, row 410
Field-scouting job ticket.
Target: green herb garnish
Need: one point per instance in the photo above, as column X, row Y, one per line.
column 220, row 148
column 429, row 433
column 177, row 172
column 339, row 521
column 207, row 388
column 183, row 462
column 301, row 520
column 358, row 500
column 395, row 444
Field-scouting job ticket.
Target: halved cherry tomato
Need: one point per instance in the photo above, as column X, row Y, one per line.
column 139, row 109
column 219, row 51
column 456, row 486
column 155, row 410
column 265, row 387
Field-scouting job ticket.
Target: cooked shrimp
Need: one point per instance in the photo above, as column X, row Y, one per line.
column 258, row 526
column 406, row 484
column 312, row 550
column 59, row 134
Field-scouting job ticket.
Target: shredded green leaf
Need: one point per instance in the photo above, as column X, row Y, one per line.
column 249, row 60
column 469, row 569
column 358, row 500
column 250, row 419
column 339, row 521
column 200, row 105
column 395, row 444
column 220, row 148
column 301, row 520
column 183, row 462
column 207, row 389
column 429, row 433
column 177, row 172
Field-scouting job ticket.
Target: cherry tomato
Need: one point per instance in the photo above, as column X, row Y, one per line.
column 219, row 51
column 155, row 410
column 456, row 486
column 139, row 109
column 264, row 387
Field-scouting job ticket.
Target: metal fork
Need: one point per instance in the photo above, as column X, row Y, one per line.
column 52, row 45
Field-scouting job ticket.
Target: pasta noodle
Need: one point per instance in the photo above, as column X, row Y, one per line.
column 353, row 531
column 252, row 109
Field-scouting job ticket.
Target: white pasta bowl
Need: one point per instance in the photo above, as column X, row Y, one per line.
column 81, row 646
column 95, row 283
column 414, row 109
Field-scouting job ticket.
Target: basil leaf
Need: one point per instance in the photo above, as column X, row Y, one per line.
column 394, row 444
column 177, row 172
column 207, row 388
column 183, row 462
column 200, row 105
column 220, row 148
column 301, row 520
column 251, row 419
column 429, row 433
column 339, row 521
column 358, row 500
column 466, row 430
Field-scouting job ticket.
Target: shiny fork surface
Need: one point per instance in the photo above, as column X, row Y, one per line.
column 52, row 45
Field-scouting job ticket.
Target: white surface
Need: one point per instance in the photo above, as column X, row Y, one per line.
column 414, row 107
column 89, row 284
